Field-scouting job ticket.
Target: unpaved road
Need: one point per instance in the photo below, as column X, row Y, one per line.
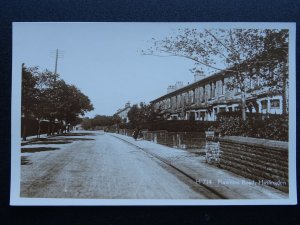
column 98, row 166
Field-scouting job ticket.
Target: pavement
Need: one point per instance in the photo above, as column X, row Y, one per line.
column 228, row 184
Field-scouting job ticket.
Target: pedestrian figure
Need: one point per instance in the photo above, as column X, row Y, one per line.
column 140, row 136
column 39, row 133
column 135, row 134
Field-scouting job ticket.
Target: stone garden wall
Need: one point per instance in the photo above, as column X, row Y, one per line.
column 265, row 161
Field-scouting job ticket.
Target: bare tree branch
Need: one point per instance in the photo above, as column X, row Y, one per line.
column 188, row 57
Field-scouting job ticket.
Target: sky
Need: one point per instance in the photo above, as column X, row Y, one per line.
column 104, row 60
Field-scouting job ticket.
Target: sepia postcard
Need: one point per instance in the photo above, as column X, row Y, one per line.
column 153, row 114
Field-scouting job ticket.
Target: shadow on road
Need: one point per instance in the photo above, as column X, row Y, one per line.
column 49, row 142
column 79, row 134
column 75, row 139
column 40, row 149
column 25, row 161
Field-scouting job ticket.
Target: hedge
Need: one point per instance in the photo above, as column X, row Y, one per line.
column 268, row 126
column 181, row 125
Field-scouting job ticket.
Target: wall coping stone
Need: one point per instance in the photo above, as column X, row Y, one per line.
column 259, row 142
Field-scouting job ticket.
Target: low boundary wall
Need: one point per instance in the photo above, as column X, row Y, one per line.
column 264, row 161
column 261, row 160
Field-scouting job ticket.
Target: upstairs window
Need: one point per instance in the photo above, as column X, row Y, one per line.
column 192, row 96
column 203, row 95
column 222, row 87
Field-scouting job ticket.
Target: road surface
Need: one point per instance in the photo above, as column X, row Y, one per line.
column 94, row 165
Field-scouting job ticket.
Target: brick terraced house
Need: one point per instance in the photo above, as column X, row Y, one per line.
column 207, row 96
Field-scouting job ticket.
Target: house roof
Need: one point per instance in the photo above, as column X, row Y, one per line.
column 198, row 83
column 122, row 110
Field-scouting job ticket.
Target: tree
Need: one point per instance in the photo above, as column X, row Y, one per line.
column 141, row 114
column 86, row 123
column 101, row 121
column 60, row 100
column 117, row 121
column 29, row 97
column 46, row 96
column 275, row 55
column 235, row 52
column 74, row 103
column 49, row 102
column 133, row 116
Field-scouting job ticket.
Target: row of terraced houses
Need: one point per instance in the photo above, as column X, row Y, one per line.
column 207, row 96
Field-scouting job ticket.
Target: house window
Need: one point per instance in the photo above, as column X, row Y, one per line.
column 275, row 104
column 186, row 96
column 202, row 116
column 237, row 90
column 174, row 117
column 213, row 89
column 182, row 100
column 192, row 97
column 203, row 95
column 222, row 87
column 264, row 104
column 222, row 109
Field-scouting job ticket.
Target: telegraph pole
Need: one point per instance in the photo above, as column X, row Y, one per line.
column 58, row 54
column 56, row 58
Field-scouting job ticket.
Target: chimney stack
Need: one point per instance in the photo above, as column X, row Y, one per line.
column 170, row 89
column 198, row 75
column 178, row 85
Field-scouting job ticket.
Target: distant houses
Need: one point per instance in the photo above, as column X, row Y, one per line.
column 122, row 113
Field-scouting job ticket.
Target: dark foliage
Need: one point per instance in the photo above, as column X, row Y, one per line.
column 269, row 126
column 141, row 114
column 101, row 122
column 181, row 125
column 47, row 97
column 33, row 127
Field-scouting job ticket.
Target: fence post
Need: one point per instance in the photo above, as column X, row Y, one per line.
column 212, row 148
